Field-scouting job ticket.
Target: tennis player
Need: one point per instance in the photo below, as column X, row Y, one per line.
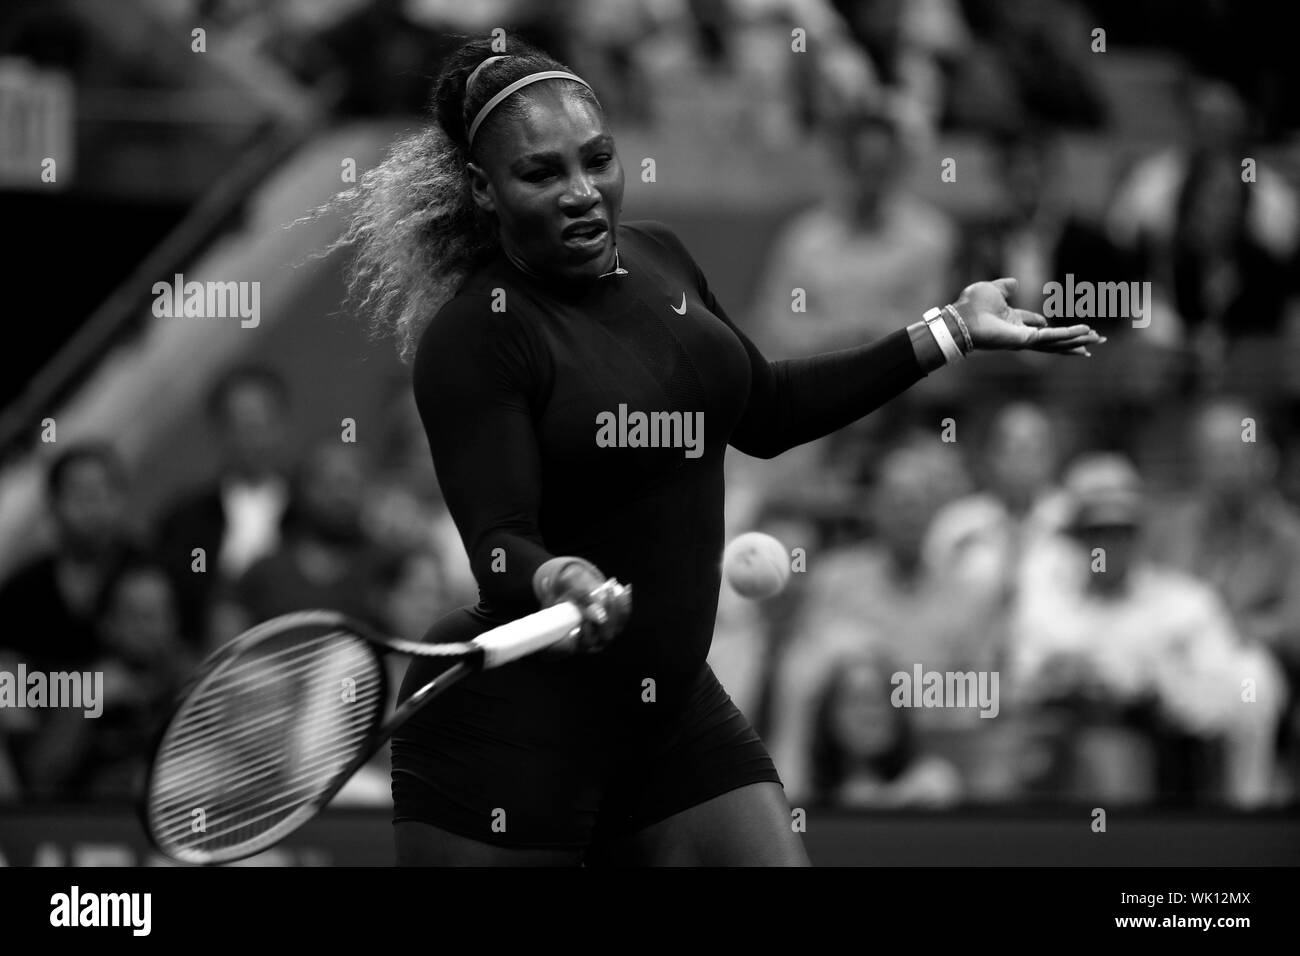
column 491, row 244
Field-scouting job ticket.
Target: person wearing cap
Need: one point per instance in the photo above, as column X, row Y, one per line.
column 1137, row 648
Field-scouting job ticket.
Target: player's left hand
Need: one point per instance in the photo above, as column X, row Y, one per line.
column 994, row 324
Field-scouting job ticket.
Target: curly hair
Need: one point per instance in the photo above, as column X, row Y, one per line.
column 412, row 219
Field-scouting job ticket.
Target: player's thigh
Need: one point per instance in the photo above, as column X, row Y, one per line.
column 422, row 844
column 748, row 826
column 698, row 789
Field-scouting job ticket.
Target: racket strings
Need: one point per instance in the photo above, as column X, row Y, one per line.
column 261, row 740
column 266, row 749
column 243, row 678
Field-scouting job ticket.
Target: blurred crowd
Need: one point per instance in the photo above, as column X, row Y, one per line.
column 1146, row 640
column 1117, row 539
column 361, row 530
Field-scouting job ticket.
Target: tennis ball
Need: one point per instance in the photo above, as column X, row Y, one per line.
column 756, row 565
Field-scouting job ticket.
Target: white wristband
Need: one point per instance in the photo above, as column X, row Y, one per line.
column 939, row 329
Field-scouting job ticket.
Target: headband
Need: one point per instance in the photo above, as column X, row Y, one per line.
column 518, row 84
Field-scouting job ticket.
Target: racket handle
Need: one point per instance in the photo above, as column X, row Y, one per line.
column 528, row 634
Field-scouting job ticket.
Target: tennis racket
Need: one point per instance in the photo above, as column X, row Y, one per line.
column 276, row 722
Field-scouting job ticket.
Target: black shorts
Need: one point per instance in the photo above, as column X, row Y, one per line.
column 524, row 757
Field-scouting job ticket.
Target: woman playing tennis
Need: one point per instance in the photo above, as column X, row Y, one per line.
column 491, row 243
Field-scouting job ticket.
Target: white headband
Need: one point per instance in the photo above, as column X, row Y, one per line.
column 518, row 84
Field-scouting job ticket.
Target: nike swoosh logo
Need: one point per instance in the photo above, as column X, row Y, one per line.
column 682, row 310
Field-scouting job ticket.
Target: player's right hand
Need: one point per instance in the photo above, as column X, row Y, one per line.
column 605, row 607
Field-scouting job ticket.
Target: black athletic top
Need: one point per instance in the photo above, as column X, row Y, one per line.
column 510, row 378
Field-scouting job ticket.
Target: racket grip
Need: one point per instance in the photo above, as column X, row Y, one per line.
column 528, row 634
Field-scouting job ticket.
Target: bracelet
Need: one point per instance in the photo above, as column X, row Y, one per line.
column 961, row 324
column 939, row 329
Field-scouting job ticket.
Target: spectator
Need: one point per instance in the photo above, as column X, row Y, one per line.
column 52, row 605
column 323, row 560
column 865, row 752
column 1227, row 285
column 1139, row 662
column 145, row 664
column 1238, row 533
column 878, row 595
column 1034, row 235
column 235, row 520
column 988, row 539
column 1144, row 213
column 50, row 602
column 1219, row 250
column 863, row 258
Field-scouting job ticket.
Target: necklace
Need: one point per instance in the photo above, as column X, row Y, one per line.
column 519, row 264
column 618, row 269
